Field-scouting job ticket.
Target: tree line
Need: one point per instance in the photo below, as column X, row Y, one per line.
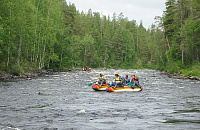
column 53, row 34
column 181, row 26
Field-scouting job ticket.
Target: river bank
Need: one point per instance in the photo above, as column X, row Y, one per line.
column 4, row 75
column 28, row 76
column 50, row 71
column 179, row 76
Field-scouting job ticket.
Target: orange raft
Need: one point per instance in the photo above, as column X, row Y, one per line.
column 97, row 87
column 124, row 89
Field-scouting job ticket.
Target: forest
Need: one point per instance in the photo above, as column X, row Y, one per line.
column 53, row 34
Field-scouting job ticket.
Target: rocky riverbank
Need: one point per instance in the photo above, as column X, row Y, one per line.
column 37, row 73
column 25, row 75
column 179, row 76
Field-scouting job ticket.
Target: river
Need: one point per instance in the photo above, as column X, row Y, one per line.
column 67, row 102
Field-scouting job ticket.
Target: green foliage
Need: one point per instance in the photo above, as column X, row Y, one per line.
column 53, row 34
column 16, row 69
column 29, row 30
column 172, row 67
column 192, row 70
column 181, row 22
column 3, row 66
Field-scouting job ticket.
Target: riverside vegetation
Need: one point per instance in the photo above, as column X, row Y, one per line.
column 53, row 34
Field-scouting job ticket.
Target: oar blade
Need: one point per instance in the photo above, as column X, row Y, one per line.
column 90, row 84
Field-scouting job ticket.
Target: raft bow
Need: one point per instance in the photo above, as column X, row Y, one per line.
column 97, row 87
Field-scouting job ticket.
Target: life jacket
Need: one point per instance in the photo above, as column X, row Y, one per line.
column 118, row 79
column 101, row 78
column 134, row 78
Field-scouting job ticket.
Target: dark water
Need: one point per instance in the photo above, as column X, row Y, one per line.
column 164, row 103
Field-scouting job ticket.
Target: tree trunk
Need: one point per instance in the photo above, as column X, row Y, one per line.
column 8, row 57
column 19, row 50
column 84, row 57
column 182, row 37
column 101, row 28
column 91, row 60
column 167, row 43
column 137, row 41
column 61, row 59
column 197, row 54
column 104, row 61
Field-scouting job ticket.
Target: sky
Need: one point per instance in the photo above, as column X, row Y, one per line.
column 138, row 10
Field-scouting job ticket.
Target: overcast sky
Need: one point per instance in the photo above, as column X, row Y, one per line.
column 138, row 10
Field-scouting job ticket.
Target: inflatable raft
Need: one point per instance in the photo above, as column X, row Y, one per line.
column 124, row 89
column 97, row 87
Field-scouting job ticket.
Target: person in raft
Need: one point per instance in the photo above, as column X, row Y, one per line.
column 90, row 70
column 135, row 81
column 84, row 69
column 117, row 81
column 102, row 80
column 125, row 80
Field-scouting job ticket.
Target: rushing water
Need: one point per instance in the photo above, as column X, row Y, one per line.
column 67, row 102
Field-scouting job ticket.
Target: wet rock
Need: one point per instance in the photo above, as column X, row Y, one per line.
column 62, row 70
column 14, row 76
column 5, row 76
column 43, row 94
column 81, row 112
column 194, row 78
column 178, row 76
column 34, row 73
column 28, row 79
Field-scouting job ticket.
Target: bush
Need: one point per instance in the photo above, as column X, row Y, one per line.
column 138, row 64
column 3, row 66
column 172, row 67
column 193, row 70
column 16, row 69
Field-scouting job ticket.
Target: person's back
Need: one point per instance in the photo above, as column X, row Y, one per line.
column 135, row 81
column 125, row 80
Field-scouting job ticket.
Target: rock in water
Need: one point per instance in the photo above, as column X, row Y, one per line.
column 44, row 94
column 81, row 112
column 28, row 79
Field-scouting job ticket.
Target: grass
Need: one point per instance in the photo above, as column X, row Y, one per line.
column 193, row 70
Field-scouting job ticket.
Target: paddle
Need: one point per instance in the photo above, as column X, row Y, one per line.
column 90, row 84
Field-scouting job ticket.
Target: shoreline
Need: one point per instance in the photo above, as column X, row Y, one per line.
column 28, row 76
column 179, row 76
column 25, row 75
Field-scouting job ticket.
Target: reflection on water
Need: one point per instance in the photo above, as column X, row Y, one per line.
column 66, row 101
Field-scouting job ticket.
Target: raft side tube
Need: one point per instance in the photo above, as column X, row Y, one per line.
column 110, row 89
column 95, row 87
column 124, row 89
column 98, row 88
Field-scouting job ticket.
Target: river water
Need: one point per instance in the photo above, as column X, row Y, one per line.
column 67, row 102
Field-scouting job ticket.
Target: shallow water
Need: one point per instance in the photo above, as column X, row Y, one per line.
column 67, row 102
